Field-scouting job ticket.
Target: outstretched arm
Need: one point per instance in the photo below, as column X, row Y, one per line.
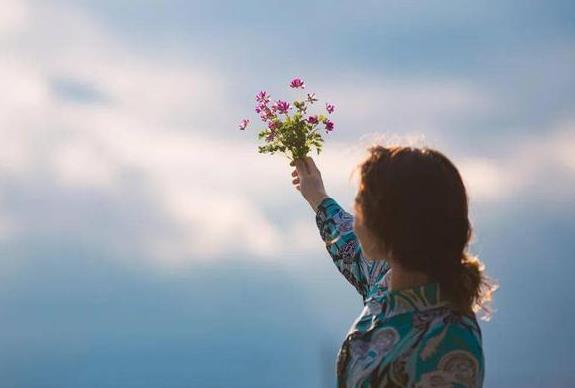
column 336, row 229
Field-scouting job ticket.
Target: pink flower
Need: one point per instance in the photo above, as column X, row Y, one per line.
column 266, row 113
column 272, row 125
column 244, row 123
column 262, row 97
column 297, row 83
column 312, row 120
column 330, row 108
column 328, row 125
column 282, row 106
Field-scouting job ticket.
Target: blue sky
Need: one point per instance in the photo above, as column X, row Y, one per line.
column 146, row 243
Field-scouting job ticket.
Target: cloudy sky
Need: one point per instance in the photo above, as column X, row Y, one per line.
column 144, row 240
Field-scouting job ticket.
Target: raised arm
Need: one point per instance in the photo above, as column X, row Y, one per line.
column 336, row 230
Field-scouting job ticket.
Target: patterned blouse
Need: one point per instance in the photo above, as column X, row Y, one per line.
column 402, row 338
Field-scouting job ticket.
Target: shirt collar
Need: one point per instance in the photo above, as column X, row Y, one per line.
column 416, row 299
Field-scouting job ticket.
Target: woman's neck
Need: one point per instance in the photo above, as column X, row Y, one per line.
column 401, row 278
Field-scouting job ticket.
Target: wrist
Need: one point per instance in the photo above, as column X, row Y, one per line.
column 315, row 203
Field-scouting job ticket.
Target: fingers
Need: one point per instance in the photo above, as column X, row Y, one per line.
column 304, row 166
column 295, row 181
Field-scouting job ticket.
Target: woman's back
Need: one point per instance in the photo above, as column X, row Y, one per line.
column 410, row 338
column 402, row 338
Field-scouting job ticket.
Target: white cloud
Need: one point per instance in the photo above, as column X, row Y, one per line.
column 214, row 189
column 541, row 166
column 137, row 127
column 373, row 103
column 14, row 17
column 213, row 225
column 485, row 179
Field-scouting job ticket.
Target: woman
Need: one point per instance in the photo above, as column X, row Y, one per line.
column 405, row 253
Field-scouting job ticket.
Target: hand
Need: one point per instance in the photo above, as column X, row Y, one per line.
column 308, row 181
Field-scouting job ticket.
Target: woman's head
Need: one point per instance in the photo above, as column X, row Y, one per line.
column 412, row 208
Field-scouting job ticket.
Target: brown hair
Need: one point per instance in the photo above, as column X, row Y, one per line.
column 415, row 202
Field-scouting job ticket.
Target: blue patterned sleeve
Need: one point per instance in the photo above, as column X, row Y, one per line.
column 336, row 229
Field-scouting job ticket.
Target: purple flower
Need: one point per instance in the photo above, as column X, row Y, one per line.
column 311, row 98
column 266, row 113
column 272, row 125
column 297, row 83
column 282, row 106
column 312, row 120
column 330, row 108
column 328, row 125
column 244, row 123
column 262, row 97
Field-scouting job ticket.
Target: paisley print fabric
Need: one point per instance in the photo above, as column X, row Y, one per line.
column 401, row 338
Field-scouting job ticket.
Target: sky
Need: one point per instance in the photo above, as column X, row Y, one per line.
column 145, row 242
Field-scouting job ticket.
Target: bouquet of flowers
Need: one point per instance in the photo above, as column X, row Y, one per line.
column 290, row 128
